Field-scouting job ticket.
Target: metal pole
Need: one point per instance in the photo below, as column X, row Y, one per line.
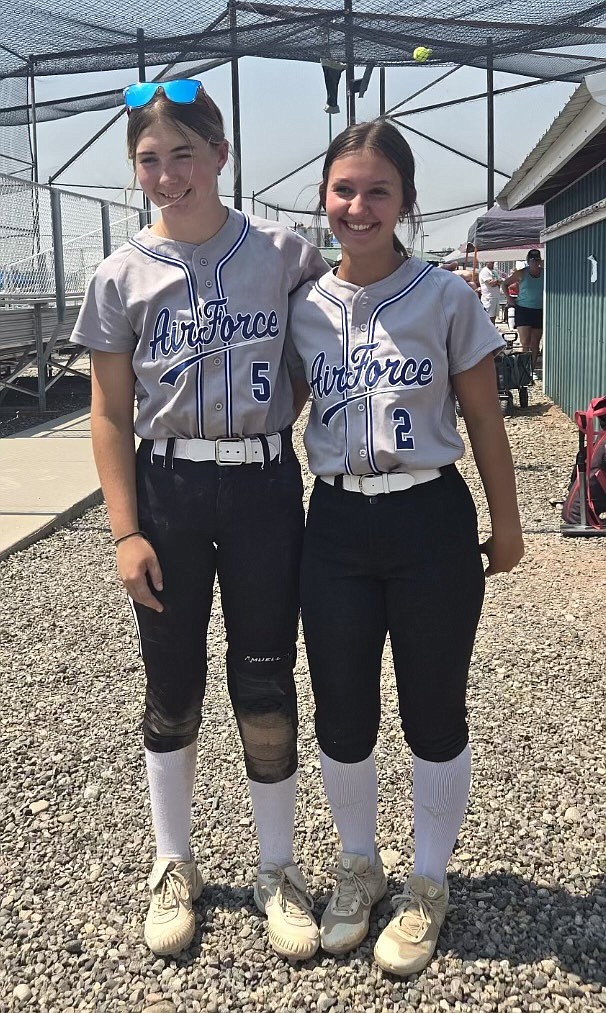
column 35, row 194
column 57, row 230
column 381, row 91
column 141, row 65
column 490, row 124
column 32, row 86
column 349, row 68
column 235, row 100
column 141, row 53
column 106, row 232
column 40, row 363
column 85, row 147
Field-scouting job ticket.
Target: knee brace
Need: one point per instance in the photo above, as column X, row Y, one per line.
column 263, row 695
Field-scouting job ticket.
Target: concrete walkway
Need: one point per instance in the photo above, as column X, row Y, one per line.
column 47, row 477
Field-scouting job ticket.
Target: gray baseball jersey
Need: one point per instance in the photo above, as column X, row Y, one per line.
column 378, row 360
column 205, row 326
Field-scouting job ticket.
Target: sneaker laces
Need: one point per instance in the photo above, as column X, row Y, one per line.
column 167, row 894
column 292, row 899
column 414, row 913
column 349, row 891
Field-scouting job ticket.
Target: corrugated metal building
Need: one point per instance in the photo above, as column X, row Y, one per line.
column 567, row 173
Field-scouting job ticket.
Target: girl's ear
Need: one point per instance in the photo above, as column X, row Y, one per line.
column 223, row 153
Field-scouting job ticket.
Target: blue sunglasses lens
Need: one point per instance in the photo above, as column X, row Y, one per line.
column 183, row 92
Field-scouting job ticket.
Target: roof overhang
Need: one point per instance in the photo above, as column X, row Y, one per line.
column 574, row 144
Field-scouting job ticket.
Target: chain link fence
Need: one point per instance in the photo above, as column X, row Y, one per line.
column 52, row 240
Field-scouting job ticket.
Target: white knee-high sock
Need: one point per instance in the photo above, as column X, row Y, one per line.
column 171, row 786
column 274, row 810
column 440, row 792
column 351, row 790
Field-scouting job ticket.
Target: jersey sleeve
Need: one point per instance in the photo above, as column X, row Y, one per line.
column 305, row 262
column 102, row 322
column 296, row 309
column 470, row 334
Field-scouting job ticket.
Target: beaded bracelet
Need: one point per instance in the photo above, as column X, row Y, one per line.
column 123, row 538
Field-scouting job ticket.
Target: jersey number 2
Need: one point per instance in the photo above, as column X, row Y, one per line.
column 402, row 429
column 259, row 381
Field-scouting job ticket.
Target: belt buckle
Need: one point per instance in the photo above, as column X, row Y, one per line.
column 375, row 487
column 218, row 446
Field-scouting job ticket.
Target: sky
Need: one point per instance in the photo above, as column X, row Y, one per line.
column 283, row 124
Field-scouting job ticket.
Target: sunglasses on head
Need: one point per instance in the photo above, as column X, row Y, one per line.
column 183, row 91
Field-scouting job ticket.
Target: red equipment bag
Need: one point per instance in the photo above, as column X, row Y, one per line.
column 589, row 474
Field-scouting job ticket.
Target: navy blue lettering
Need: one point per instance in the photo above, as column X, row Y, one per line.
column 212, row 322
column 365, row 375
column 188, row 330
column 161, row 334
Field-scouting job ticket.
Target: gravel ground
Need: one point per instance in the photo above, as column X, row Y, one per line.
column 525, row 933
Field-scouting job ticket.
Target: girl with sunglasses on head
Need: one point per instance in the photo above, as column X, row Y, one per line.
column 189, row 319
column 391, row 544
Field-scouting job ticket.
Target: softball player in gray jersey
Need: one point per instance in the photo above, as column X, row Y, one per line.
column 391, row 544
column 189, row 318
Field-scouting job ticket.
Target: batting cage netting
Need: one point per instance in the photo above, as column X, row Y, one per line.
column 64, row 38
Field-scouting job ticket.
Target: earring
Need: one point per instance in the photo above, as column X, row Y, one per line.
column 402, row 216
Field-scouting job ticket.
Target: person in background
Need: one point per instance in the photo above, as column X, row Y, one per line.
column 529, row 303
column 385, row 342
column 189, row 318
column 468, row 276
column 490, row 290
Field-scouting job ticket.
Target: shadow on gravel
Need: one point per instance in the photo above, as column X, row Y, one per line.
column 535, row 467
column 494, row 917
column 501, row 916
column 535, row 410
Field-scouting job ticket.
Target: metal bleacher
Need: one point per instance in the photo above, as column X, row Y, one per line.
column 32, row 338
column 51, row 241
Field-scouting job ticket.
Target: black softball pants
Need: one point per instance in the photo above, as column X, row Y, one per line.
column 244, row 524
column 408, row 564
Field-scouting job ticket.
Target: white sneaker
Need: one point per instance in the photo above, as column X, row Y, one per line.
column 281, row 894
column 407, row 944
column 360, row 885
column 170, row 922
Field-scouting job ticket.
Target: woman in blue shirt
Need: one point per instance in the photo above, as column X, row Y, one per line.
column 529, row 304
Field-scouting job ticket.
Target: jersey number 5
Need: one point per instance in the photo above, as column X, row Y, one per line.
column 402, row 429
column 259, row 381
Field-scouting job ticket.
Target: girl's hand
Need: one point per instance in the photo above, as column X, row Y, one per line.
column 137, row 566
column 504, row 551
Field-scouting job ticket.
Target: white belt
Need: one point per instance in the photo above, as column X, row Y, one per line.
column 376, row 485
column 231, row 450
